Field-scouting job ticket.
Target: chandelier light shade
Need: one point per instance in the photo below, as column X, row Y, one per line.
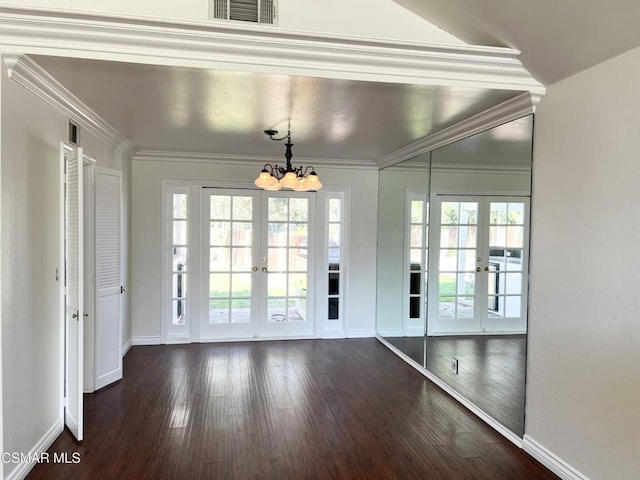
column 299, row 179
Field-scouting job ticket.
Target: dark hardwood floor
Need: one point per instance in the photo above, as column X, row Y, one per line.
column 491, row 370
column 313, row 409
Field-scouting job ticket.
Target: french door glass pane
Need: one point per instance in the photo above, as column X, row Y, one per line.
column 179, row 285
column 219, row 285
column 178, row 315
column 506, row 250
column 180, row 205
column 298, row 260
column 298, row 210
column 180, row 232
column 334, row 209
column 277, row 285
column 220, row 259
column 416, row 211
column 466, row 260
column 288, row 231
column 515, row 237
column 220, row 207
column 278, row 209
column 230, row 258
column 416, row 236
column 464, row 307
column 298, row 234
column 334, row 234
column 220, row 233
column 242, row 208
column 179, row 259
column 457, row 259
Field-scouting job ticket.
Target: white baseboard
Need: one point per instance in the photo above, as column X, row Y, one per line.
column 361, row 334
column 23, row 469
column 333, row 335
column 392, row 332
column 177, row 340
column 146, row 341
column 550, row 460
column 415, row 332
column 125, row 348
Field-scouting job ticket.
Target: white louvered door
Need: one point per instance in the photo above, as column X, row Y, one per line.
column 108, row 359
column 74, row 287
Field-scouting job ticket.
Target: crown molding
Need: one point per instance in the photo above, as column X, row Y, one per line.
column 257, row 160
column 516, row 107
column 258, row 49
column 34, row 78
column 481, row 169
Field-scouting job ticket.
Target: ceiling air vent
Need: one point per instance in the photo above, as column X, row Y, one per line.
column 254, row 11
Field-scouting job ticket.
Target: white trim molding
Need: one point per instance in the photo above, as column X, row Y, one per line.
column 157, row 41
column 361, row 334
column 550, row 460
column 232, row 159
column 34, row 78
column 23, row 469
column 126, row 347
column 516, row 107
column 146, row 341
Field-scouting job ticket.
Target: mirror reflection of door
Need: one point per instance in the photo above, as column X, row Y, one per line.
column 257, row 249
column 481, row 246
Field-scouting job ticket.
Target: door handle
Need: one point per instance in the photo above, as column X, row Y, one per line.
column 122, row 290
column 486, row 269
column 75, row 315
column 264, row 269
column 255, row 269
column 478, row 269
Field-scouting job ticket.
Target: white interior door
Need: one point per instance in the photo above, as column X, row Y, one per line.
column 257, row 251
column 107, row 357
column 74, row 292
column 481, row 246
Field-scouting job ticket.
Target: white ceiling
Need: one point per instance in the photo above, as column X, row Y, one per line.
column 557, row 38
column 214, row 111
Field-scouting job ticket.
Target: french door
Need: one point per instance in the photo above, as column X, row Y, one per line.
column 257, row 255
column 481, row 258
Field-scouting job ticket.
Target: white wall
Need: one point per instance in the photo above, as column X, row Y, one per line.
column 372, row 18
column 391, row 244
column 30, row 221
column 146, row 232
column 583, row 383
column 30, row 255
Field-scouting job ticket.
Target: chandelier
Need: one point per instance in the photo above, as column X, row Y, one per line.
column 273, row 177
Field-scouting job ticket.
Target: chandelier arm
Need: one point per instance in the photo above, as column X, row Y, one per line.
column 306, row 170
column 271, row 134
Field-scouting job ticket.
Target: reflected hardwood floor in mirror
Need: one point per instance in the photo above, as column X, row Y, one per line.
column 491, row 370
column 312, row 409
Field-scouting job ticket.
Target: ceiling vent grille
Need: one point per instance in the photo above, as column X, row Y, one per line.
column 254, row 11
